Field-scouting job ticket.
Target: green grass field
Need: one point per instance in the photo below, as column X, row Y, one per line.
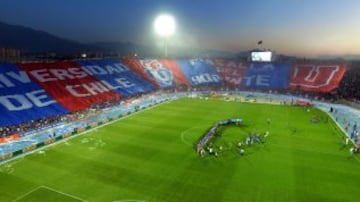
column 149, row 156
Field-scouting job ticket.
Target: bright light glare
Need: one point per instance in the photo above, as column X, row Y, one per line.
column 164, row 25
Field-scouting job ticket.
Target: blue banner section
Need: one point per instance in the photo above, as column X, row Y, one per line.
column 267, row 75
column 23, row 100
column 116, row 76
column 200, row 72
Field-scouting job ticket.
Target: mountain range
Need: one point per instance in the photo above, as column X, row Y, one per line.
column 31, row 41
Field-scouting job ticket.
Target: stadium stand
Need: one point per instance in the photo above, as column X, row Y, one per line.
column 57, row 98
column 349, row 85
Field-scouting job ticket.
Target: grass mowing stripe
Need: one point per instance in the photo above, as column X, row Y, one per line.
column 143, row 157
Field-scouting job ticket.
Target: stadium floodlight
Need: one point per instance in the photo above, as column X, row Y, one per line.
column 164, row 26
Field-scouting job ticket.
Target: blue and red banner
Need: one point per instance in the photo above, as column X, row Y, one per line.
column 179, row 77
column 200, row 72
column 166, row 72
column 23, row 100
column 136, row 66
column 116, row 76
column 69, row 85
column 36, row 90
column 158, row 71
column 231, row 71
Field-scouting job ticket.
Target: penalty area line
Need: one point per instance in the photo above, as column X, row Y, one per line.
column 63, row 193
column 130, row 200
column 27, row 193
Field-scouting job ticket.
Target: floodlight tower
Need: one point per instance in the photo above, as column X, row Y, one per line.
column 164, row 26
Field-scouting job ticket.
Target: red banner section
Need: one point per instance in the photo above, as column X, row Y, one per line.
column 71, row 86
column 9, row 138
column 231, row 71
column 319, row 78
column 179, row 77
column 136, row 66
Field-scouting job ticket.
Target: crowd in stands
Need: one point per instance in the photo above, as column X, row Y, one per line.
column 81, row 115
column 52, row 120
column 40, row 123
column 348, row 89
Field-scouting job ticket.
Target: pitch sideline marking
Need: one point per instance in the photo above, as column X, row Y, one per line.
column 338, row 125
column 68, row 195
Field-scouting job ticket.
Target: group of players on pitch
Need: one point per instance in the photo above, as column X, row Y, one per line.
column 252, row 138
column 354, row 149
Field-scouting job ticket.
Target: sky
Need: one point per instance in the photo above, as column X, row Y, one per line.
column 296, row 27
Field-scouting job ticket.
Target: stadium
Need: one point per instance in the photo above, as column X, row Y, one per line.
column 127, row 129
column 172, row 127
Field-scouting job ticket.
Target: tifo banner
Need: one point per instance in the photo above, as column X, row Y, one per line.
column 116, row 76
column 163, row 75
column 199, row 71
column 23, row 100
column 136, row 66
column 267, row 75
column 320, row 78
column 231, row 71
column 69, row 85
column 179, row 77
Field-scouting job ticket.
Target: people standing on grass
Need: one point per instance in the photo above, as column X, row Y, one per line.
column 251, row 138
column 266, row 134
column 248, row 139
column 344, row 142
column 202, row 153
column 211, row 150
column 257, row 138
column 242, row 152
column 355, row 149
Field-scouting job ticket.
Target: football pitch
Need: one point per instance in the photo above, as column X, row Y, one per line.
column 150, row 156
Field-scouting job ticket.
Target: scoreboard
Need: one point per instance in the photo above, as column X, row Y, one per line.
column 261, row 56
